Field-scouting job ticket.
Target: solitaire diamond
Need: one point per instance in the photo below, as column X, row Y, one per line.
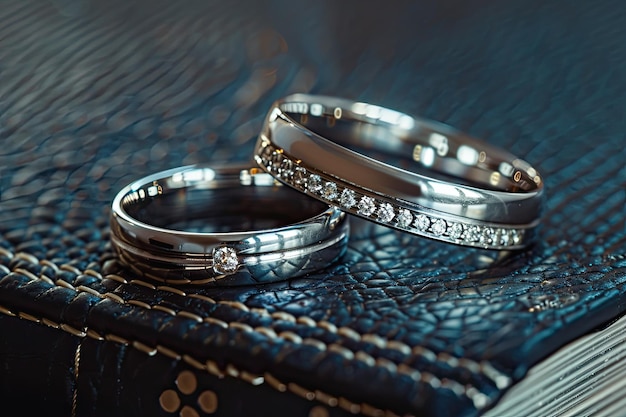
column 348, row 199
column 385, row 213
column 405, row 218
column 456, row 231
column 314, row 184
column 225, row 260
column 439, row 227
column 366, row 206
column 329, row 191
column 422, row 222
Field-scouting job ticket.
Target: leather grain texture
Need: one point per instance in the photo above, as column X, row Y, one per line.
column 96, row 94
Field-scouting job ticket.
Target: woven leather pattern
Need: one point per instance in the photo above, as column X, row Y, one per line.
column 96, row 94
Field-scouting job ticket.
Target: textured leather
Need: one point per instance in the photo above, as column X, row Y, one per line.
column 96, row 94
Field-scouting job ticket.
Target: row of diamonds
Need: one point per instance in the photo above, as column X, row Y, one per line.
column 349, row 200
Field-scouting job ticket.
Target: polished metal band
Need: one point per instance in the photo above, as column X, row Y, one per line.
column 310, row 235
column 414, row 175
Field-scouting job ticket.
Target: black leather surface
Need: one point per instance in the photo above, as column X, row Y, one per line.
column 96, row 94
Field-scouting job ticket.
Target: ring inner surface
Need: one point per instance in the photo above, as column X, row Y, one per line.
column 426, row 148
column 224, row 209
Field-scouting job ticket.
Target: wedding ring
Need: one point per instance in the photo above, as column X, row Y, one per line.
column 407, row 173
column 226, row 225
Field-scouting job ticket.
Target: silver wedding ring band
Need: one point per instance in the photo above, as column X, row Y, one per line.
column 241, row 227
column 407, row 173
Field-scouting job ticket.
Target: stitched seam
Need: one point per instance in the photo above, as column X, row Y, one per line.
column 213, row 369
column 76, row 370
column 483, row 367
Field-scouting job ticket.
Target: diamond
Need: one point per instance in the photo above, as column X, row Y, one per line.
column 314, row 184
column 422, row 222
column 487, row 236
column 516, row 236
column 225, row 260
column 329, row 191
column 439, row 227
column 366, row 206
column 405, row 218
column 456, row 230
column 286, row 169
column 385, row 213
column 505, row 237
column 348, row 198
column 299, row 177
column 472, row 233
column 275, row 161
column 266, row 155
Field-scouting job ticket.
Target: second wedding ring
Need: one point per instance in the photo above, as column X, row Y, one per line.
column 411, row 174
